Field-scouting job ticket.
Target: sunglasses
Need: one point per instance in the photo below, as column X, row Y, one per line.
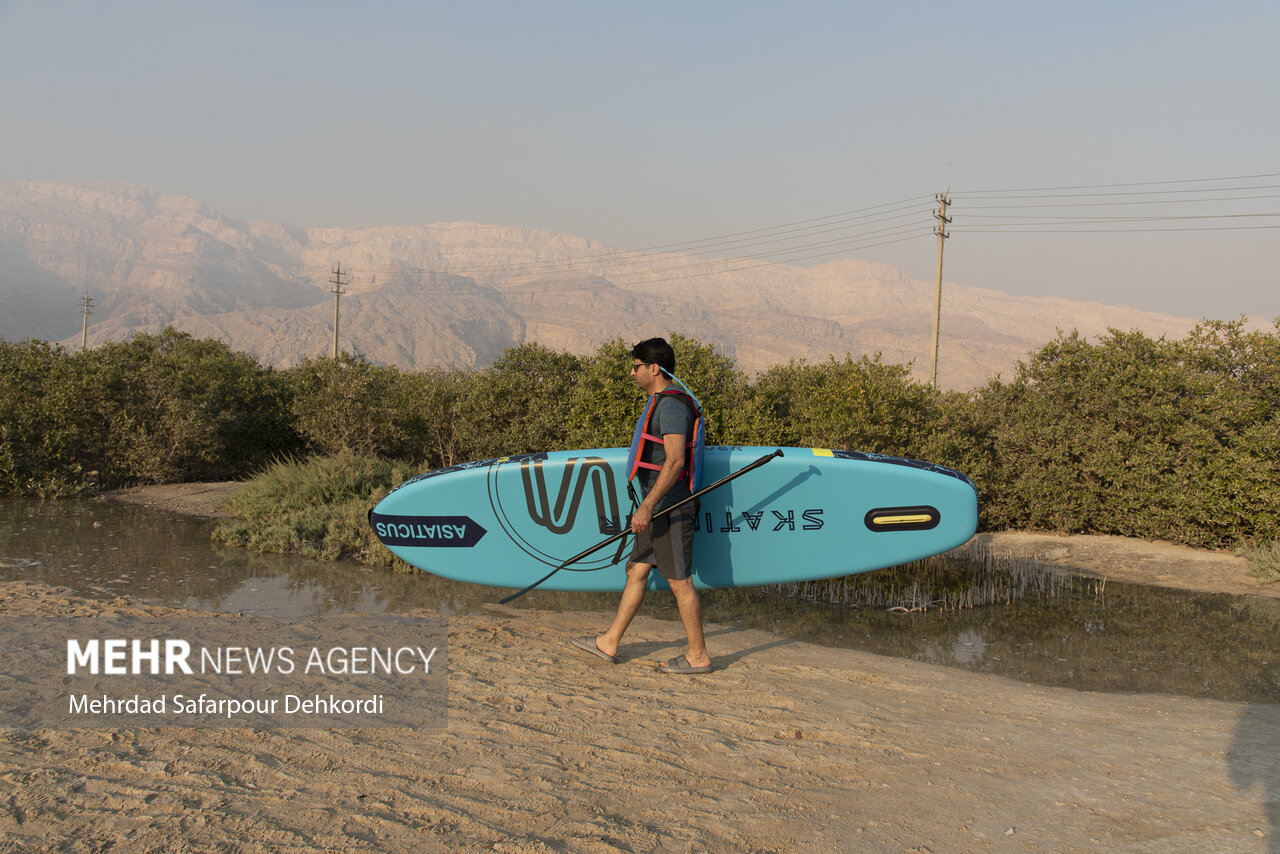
column 635, row 366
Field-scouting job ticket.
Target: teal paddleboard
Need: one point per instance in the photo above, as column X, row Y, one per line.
column 809, row 514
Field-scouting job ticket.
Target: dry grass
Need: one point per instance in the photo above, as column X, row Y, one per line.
column 1264, row 560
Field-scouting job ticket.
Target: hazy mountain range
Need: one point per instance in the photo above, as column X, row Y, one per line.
column 459, row 293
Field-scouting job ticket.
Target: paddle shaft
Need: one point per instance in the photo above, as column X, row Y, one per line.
column 623, row 533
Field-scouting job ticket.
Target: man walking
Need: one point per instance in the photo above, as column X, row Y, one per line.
column 662, row 451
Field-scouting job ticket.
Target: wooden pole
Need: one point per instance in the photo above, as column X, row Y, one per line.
column 86, row 304
column 941, row 231
column 337, row 296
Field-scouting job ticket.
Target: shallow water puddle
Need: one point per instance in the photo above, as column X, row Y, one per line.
column 1068, row 632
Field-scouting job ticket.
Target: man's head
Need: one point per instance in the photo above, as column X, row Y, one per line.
column 649, row 359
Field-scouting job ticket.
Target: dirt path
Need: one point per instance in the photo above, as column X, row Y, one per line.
column 788, row 748
column 1137, row 561
column 192, row 499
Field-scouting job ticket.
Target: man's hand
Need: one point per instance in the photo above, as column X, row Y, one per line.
column 641, row 520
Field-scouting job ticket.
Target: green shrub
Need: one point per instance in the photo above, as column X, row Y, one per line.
column 1138, row 437
column 153, row 409
column 318, row 508
column 1171, row 440
column 434, row 397
column 862, row 405
column 961, row 435
column 51, row 436
column 349, row 403
column 607, row 401
column 734, row 413
column 176, row 408
column 523, row 403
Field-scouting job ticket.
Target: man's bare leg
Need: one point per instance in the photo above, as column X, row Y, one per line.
column 691, row 615
column 628, row 605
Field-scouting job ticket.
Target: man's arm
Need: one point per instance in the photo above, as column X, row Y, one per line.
column 673, row 444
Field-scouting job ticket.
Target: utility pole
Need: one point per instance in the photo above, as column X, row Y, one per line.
column 337, row 282
column 941, row 231
column 86, row 304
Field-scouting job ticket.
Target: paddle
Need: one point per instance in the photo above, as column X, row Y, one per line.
column 618, row 536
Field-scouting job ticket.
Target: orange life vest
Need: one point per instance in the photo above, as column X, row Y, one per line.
column 695, row 441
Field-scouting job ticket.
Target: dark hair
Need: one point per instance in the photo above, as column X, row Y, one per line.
column 656, row 351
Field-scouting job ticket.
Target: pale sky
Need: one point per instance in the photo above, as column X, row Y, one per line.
column 641, row 124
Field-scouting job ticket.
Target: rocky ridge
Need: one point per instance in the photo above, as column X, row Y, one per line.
column 459, row 293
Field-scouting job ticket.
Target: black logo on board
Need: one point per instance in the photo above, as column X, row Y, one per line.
column 559, row 517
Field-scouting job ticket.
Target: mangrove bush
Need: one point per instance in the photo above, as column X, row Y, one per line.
column 1164, row 439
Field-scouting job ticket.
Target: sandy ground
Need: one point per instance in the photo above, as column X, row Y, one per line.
column 788, row 747
column 193, row 499
column 1137, row 561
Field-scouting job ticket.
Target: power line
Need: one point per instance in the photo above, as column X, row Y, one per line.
column 998, row 230
column 1125, row 184
column 678, row 267
column 582, row 286
column 855, row 225
column 900, row 202
column 794, row 241
column 1143, row 202
column 1114, row 195
column 842, row 242
column 1102, row 219
column 1025, row 210
column 722, row 266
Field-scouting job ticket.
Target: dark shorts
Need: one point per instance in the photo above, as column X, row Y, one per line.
column 668, row 544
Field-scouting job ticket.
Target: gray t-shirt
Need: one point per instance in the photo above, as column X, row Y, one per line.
column 670, row 416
